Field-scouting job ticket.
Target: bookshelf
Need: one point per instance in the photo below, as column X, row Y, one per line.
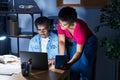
column 19, row 8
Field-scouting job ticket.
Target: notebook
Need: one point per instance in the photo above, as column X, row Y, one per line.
column 60, row 60
column 39, row 59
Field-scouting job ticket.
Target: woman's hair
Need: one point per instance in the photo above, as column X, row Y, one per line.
column 68, row 14
column 42, row 20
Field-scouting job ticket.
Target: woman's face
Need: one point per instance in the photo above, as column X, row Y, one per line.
column 64, row 25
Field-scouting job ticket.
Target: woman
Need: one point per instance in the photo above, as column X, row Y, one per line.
column 84, row 44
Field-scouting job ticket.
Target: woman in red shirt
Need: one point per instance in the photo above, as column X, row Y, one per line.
column 84, row 44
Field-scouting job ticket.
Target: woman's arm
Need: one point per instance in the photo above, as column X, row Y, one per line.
column 61, row 38
column 77, row 54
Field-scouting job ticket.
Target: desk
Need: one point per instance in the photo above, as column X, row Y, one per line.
column 51, row 74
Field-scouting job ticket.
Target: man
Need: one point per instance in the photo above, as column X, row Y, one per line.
column 45, row 40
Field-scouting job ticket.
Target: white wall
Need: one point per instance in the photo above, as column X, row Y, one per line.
column 104, row 67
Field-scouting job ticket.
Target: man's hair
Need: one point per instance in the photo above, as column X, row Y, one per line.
column 42, row 20
column 68, row 14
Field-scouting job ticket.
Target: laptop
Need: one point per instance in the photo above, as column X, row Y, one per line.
column 39, row 59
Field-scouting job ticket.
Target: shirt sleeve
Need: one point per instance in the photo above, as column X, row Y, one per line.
column 80, row 36
column 60, row 31
column 30, row 46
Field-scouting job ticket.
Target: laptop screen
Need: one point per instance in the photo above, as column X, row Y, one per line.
column 39, row 59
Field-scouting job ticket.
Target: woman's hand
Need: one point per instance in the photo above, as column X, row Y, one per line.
column 66, row 66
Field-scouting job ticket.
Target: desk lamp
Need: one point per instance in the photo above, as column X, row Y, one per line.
column 3, row 43
column 2, row 37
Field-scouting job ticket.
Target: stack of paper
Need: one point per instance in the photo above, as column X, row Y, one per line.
column 9, row 69
column 7, row 58
column 10, row 65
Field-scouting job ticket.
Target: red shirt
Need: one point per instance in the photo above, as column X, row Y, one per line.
column 80, row 34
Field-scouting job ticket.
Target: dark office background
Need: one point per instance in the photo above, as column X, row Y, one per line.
column 105, row 69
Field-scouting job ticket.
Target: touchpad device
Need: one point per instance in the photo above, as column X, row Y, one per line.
column 60, row 60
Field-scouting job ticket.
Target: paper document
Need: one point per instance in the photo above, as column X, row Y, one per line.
column 9, row 69
column 7, row 58
column 9, row 64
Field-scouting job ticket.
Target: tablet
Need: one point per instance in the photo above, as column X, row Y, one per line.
column 60, row 60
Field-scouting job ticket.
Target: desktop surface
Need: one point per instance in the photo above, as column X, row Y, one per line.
column 51, row 74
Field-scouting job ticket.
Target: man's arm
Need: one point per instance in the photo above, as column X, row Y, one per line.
column 30, row 48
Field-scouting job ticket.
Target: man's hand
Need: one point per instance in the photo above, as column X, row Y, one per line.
column 51, row 62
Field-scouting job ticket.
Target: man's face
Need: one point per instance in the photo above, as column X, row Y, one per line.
column 43, row 30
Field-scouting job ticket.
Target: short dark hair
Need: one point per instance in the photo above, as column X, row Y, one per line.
column 42, row 20
column 68, row 14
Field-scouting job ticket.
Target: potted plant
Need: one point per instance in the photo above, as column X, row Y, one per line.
column 110, row 18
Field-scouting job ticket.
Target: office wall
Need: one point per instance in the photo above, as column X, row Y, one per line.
column 104, row 67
